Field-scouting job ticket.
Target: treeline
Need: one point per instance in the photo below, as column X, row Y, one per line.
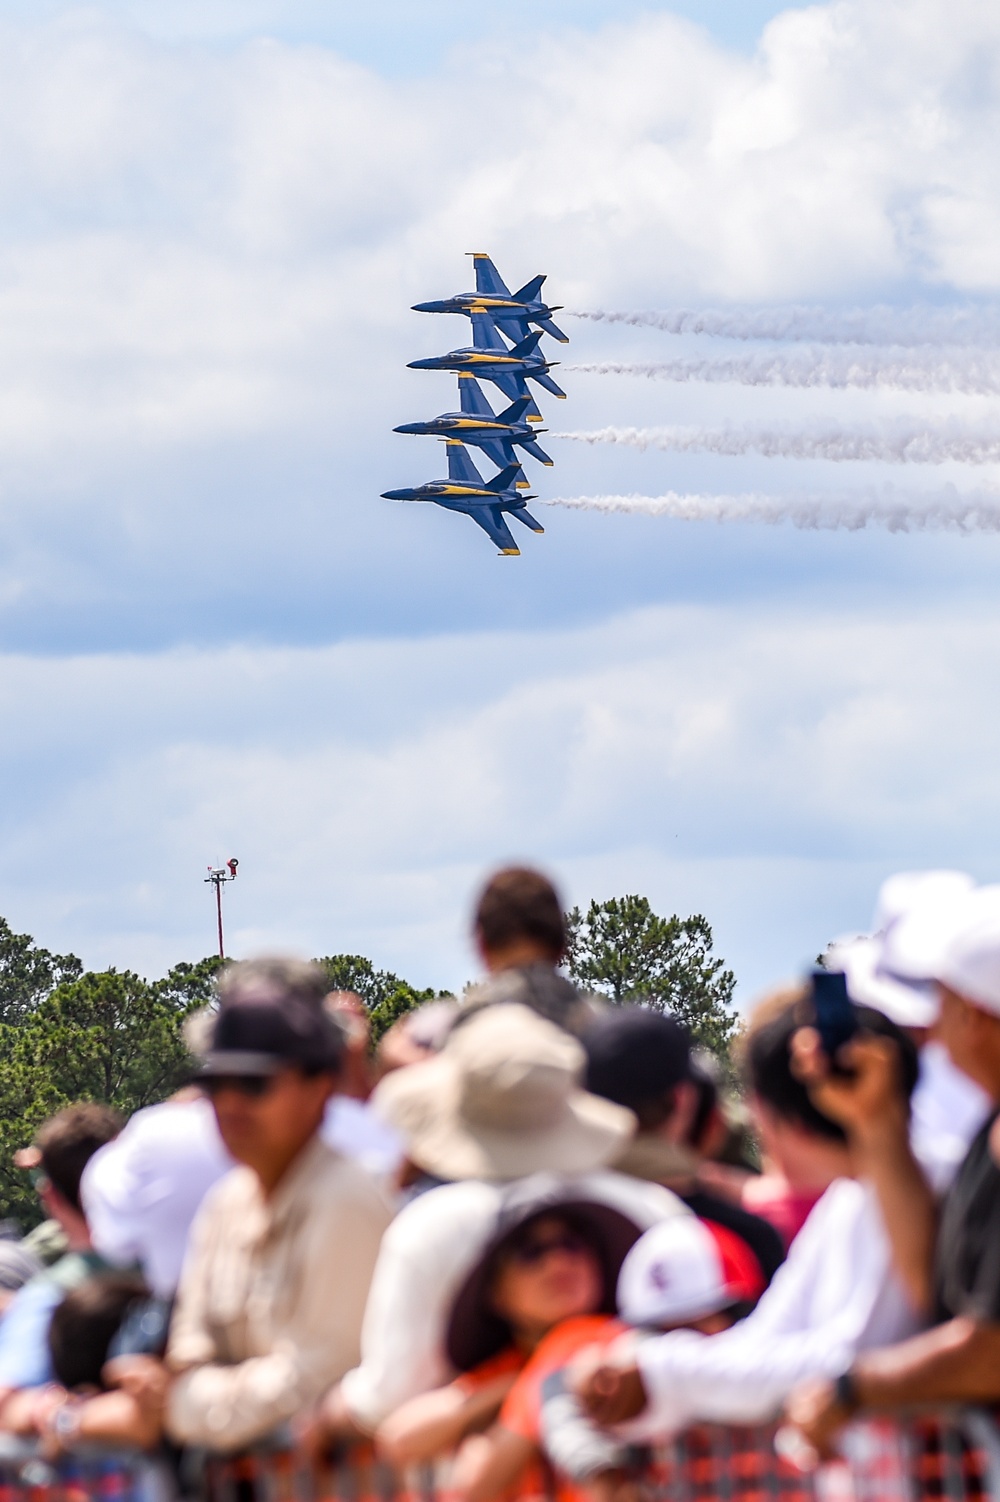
column 67, row 1034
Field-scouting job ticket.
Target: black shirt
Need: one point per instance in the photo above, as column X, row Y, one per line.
column 968, row 1245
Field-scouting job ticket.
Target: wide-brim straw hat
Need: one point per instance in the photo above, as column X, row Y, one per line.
column 475, row 1332
column 501, row 1101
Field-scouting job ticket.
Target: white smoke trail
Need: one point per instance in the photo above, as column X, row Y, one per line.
column 895, row 444
column 968, row 373
column 970, row 325
column 948, row 511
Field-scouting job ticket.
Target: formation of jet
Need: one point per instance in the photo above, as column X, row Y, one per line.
column 501, row 437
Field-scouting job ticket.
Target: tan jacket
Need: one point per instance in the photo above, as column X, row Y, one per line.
column 271, row 1298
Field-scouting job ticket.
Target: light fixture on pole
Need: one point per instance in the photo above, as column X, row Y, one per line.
column 218, row 875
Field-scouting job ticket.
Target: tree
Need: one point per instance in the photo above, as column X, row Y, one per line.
column 352, row 972
column 625, row 951
column 404, row 999
column 28, row 974
column 108, row 1036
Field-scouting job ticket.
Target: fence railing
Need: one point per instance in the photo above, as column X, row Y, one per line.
column 949, row 1456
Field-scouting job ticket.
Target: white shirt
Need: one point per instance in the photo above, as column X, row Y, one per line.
column 836, row 1294
column 425, row 1257
column 141, row 1192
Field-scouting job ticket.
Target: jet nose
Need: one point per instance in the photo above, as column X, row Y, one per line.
column 395, row 495
column 408, row 427
column 425, row 307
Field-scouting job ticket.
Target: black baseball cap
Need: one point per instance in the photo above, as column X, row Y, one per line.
column 259, row 1036
column 635, row 1055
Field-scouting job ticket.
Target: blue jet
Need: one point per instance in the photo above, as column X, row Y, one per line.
column 491, row 359
column 484, row 500
column 510, row 311
column 477, row 423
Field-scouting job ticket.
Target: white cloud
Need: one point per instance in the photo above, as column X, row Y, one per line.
column 205, row 265
column 767, row 768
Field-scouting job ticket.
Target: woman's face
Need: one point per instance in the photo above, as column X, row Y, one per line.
column 550, row 1273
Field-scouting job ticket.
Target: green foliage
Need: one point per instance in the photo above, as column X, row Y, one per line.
column 27, row 973
column 404, row 999
column 352, row 972
column 624, row 950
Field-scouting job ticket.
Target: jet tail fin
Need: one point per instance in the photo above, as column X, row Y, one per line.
column 550, row 328
column 549, row 384
column 505, row 479
column 527, row 518
column 527, row 346
column 529, row 292
column 515, row 412
column 488, row 279
column 471, row 397
column 536, row 452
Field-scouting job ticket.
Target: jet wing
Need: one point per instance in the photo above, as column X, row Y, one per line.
column 472, row 398
column 488, row 279
column 490, row 518
column 485, row 334
column 461, row 469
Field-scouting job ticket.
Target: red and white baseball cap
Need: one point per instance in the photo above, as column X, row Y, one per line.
column 684, row 1269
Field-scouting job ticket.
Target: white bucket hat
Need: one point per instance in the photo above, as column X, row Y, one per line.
column 502, row 1100
column 970, row 964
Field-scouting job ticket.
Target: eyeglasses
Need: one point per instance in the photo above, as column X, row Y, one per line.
column 253, row 1086
column 529, row 1253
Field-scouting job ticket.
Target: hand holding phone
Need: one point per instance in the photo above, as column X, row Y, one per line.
column 835, row 1016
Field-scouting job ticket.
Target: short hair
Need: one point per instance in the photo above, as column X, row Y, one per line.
column 518, row 903
column 85, row 1323
column 767, row 1060
column 276, row 978
column 67, row 1142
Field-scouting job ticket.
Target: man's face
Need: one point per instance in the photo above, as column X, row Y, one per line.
column 265, row 1123
column 972, row 1038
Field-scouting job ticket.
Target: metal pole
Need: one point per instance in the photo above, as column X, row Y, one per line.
column 218, row 903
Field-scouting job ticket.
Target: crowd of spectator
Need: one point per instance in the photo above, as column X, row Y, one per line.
column 526, row 1234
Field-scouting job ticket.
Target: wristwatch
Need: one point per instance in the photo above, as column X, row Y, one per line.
column 845, row 1390
column 64, row 1424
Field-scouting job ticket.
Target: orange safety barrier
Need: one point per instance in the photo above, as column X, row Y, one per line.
column 941, row 1457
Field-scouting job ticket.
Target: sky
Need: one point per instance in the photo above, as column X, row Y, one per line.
column 216, row 639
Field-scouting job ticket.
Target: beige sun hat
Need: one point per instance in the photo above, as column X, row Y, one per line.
column 502, row 1100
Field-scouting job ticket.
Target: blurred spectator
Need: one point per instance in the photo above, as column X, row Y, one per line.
column 838, row 1291
column 958, row 1360
column 142, row 1191
column 274, row 1285
column 520, row 933
column 501, row 1101
column 17, row 1265
column 554, row 1255
column 642, row 1060
column 62, row 1148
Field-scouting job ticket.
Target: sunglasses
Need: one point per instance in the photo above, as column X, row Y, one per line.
column 253, row 1086
column 535, row 1249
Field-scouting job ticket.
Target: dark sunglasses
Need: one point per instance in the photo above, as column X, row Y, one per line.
column 536, row 1248
column 253, row 1086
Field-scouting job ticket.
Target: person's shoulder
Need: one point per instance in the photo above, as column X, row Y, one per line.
column 645, row 1202
column 233, row 1193
column 335, row 1176
column 450, row 1208
column 573, row 1335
